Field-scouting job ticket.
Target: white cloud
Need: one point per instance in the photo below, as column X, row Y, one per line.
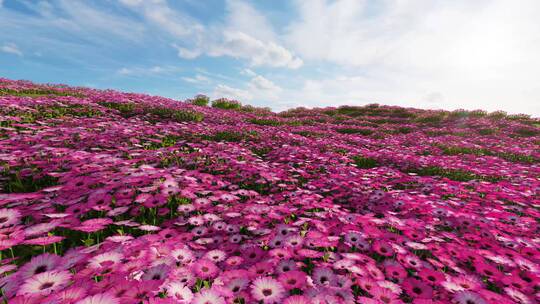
column 159, row 13
column 260, row 83
column 145, row 71
column 243, row 46
column 258, row 90
column 197, row 79
column 246, row 34
column 247, row 72
column 475, row 54
column 186, row 53
column 11, row 48
column 226, row 91
column 242, row 17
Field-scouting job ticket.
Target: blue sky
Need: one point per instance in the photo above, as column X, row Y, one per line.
column 283, row 54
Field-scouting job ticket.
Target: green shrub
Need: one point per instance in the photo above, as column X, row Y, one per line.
column 365, row 162
column 14, row 182
column 226, row 104
column 486, row 131
column 430, row 119
column 364, row 132
column 526, row 132
column 404, row 130
column 125, row 109
column 265, row 122
column 174, row 114
column 497, row 115
column 453, row 174
column 231, row 136
column 262, row 151
column 200, row 100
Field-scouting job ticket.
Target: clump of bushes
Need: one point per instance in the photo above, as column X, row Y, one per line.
column 452, row 174
column 17, row 180
column 526, row 131
column 256, row 110
column 433, row 119
column 199, row 100
column 265, row 122
column 126, row 109
column 131, row 109
column 365, row 162
column 361, row 131
column 226, row 104
column 231, row 136
column 175, row 114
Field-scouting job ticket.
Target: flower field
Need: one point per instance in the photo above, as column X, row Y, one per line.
column 110, row 197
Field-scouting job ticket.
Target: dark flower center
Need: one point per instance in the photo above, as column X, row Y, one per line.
column 417, row 290
column 267, row 292
column 46, row 285
column 40, row 269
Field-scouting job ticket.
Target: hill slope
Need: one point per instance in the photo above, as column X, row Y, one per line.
column 110, row 197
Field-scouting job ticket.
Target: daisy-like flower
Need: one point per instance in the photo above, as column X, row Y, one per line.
column 40, row 228
column 286, row 265
column 100, row 298
column 45, row 240
column 518, row 296
column 39, row 264
column 293, row 279
column 70, row 295
column 45, row 283
column 158, row 272
column 267, row 290
column 197, row 220
column 9, row 217
column 417, row 289
column 119, row 238
column 205, row 269
column 324, row 276
column 186, row 208
column 395, row 271
column 468, row 297
column 383, row 248
column 105, row 259
column 236, row 238
column 215, row 255
column 208, row 296
column 179, row 292
column 234, row 261
column 297, row 300
column 394, row 288
column 238, row 284
column 431, row 276
column 183, row 276
column 150, row 228
column 294, row 241
column 219, row 226
column 183, row 255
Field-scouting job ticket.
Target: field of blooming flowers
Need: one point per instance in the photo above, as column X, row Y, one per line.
column 110, row 197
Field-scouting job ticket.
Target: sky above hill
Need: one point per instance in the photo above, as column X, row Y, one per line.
column 282, row 54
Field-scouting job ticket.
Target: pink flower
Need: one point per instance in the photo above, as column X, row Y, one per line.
column 267, row 290
column 100, row 298
column 44, row 283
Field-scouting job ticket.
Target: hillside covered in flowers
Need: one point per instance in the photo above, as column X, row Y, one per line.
column 109, row 197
